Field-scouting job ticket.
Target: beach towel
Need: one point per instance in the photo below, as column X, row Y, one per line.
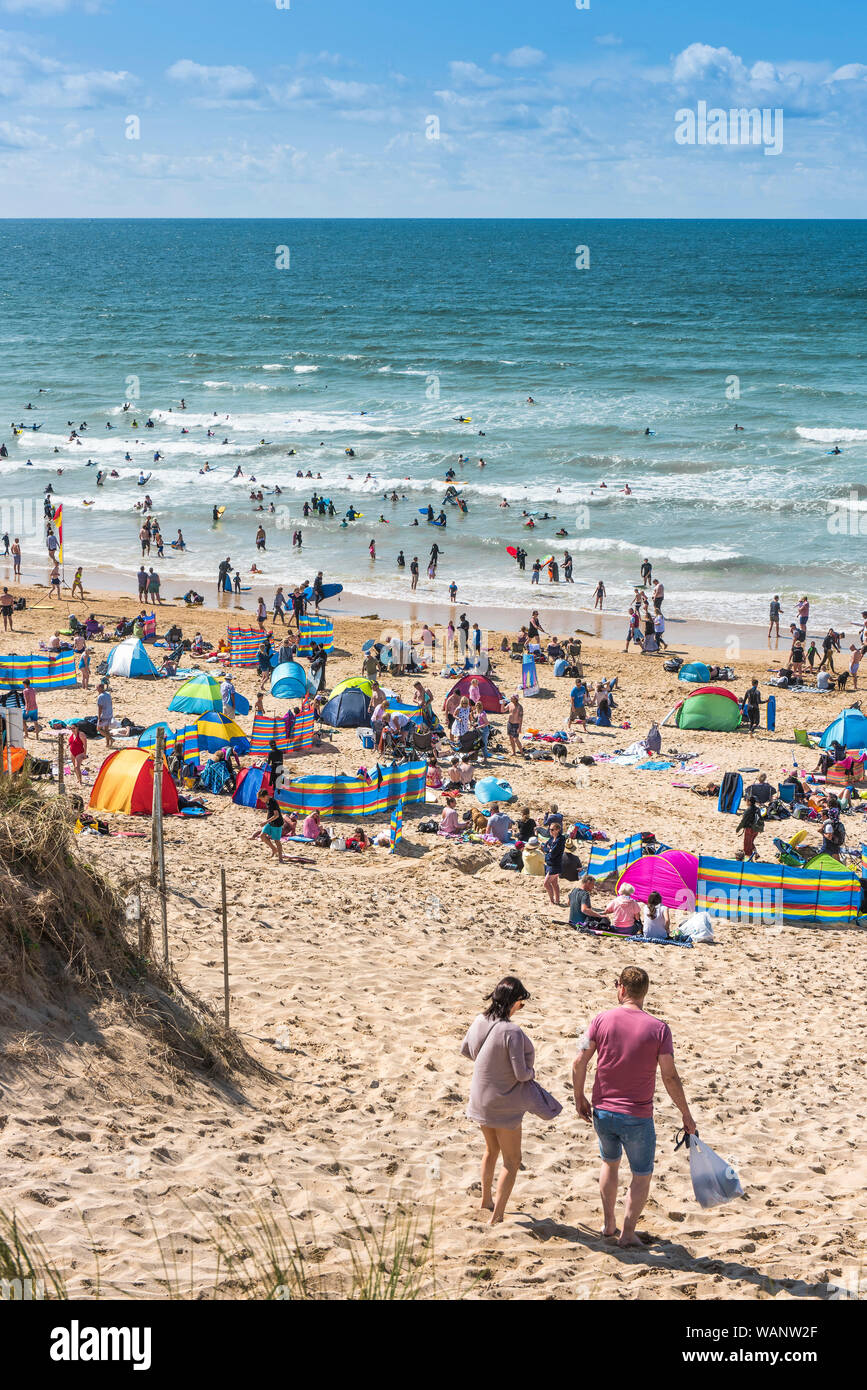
column 730, row 793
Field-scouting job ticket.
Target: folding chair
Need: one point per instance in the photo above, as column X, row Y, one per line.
column 803, row 738
column 786, row 792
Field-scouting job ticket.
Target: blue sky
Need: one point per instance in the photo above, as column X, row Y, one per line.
column 327, row 108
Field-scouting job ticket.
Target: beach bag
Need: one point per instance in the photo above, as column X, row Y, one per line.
column 713, row 1180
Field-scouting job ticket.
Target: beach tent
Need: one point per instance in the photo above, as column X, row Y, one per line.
column 825, row 862
column 744, row 891
column 348, row 710
column 490, row 789
column 130, row 658
column 248, row 785
column 673, row 874
column 125, row 783
column 208, row 734
column 148, row 739
column 492, row 700
column 708, row 708
column 198, row 695
column 849, row 728
column 289, row 681
column 695, row 672
column 353, row 683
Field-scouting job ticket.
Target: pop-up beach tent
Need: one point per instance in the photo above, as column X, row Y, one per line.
column 125, row 783
column 695, row 672
column 348, row 710
column 673, row 874
column 849, row 729
column 492, row 700
column 130, row 658
column 709, row 707
column 198, row 695
column 289, row 681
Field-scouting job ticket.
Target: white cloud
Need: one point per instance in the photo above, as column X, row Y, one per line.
column 229, row 83
column 471, row 75
column 18, row 137
column 82, row 89
column 608, row 40
column 525, row 57
column 850, row 72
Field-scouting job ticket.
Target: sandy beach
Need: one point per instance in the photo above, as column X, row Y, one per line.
column 353, row 979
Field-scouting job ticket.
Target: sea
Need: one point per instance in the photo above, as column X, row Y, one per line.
column 414, row 343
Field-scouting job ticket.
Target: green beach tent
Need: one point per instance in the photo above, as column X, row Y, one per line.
column 709, row 708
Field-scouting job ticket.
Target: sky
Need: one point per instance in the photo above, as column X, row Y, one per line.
column 431, row 108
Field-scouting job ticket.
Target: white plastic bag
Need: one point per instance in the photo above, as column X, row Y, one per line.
column 698, row 927
column 713, row 1180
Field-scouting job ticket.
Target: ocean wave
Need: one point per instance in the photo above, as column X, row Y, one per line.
column 824, row 436
column 306, row 367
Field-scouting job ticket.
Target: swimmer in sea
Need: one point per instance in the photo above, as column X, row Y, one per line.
column 530, row 401
column 504, row 503
column 628, row 490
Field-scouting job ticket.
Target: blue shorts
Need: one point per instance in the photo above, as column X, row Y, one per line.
column 634, row 1133
column 31, row 716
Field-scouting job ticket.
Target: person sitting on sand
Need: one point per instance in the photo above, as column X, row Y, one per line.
column 623, row 911
column 655, row 922
column 434, row 777
column 503, row 1089
column 499, row 824
column 449, row 824
column 582, row 913
column 629, row 1045
column 311, row 828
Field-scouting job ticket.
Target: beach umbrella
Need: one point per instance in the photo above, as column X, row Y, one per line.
column 289, row 681
column 209, row 734
column 148, row 739
column 198, row 695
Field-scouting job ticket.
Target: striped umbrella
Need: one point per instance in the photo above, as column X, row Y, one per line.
column 198, row 695
column 209, row 734
column 148, row 739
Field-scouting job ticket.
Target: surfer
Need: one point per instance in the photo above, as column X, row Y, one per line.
column 215, row 514
column 835, row 450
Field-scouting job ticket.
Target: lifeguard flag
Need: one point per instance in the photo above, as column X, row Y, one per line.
column 57, row 518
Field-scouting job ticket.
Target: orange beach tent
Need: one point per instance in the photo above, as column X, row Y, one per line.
column 125, row 783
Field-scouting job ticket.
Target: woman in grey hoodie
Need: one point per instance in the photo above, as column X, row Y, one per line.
column 503, row 1089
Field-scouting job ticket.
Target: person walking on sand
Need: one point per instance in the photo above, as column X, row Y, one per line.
column 104, row 713
column 7, row 604
column 76, row 583
column 272, row 830
column 503, row 1089
column 751, row 822
column 514, row 724
column 31, row 709
column 752, row 706
column 77, row 751
column 629, row 1045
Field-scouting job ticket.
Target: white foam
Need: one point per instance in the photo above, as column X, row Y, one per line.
column 831, row 436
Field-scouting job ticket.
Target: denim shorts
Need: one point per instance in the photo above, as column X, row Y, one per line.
column 634, row 1133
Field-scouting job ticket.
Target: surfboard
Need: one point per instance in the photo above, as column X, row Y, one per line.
column 513, row 551
column 220, row 511
column 771, row 712
column 463, row 419
column 328, row 591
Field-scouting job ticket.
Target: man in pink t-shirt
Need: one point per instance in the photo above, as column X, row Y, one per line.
column 629, row 1045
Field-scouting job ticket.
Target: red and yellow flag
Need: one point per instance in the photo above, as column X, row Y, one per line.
column 57, row 518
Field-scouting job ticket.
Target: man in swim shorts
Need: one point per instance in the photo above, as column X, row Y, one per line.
column 629, row 1045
